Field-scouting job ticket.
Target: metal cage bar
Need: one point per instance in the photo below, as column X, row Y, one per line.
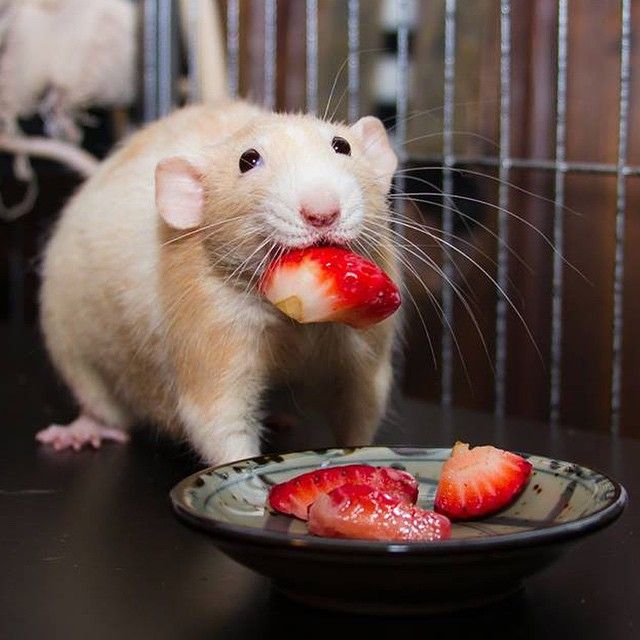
column 528, row 163
column 446, row 377
column 270, row 52
column 353, row 29
column 166, row 67
column 558, row 214
column 402, row 81
column 402, row 91
column 194, row 46
column 233, row 46
column 502, row 275
column 618, row 279
column 312, row 56
column 150, row 60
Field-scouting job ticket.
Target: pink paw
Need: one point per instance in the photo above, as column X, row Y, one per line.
column 82, row 431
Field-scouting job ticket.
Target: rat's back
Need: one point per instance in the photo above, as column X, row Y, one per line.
column 100, row 309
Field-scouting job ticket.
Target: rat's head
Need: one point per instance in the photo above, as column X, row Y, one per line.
column 282, row 182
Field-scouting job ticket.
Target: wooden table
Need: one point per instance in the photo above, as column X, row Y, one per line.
column 89, row 547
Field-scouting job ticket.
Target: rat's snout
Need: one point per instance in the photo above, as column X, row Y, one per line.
column 320, row 219
column 321, row 211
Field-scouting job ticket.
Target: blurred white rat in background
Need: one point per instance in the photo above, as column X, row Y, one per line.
column 149, row 303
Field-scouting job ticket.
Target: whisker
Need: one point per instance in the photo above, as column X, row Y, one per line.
column 442, row 249
column 201, row 229
column 341, row 69
column 491, row 205
column 471, row 134
column 431, row 110
column 335, row 110
column 234, row 246
column 482, row 174
column 245, row 262
column 418, row 226
column 406, row 289
column 450, row 204
column 438, row 307
column 459, row 271
column 258, row 270
column 421, row 255
column 492, row 280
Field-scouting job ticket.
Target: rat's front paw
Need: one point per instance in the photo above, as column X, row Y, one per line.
column 83, row 431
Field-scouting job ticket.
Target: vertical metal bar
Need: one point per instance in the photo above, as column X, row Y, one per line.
column 165, row 57
column 233, row 46
column 503, row 200
column 194, row 46
column 402, row 77
column 558, row 216
column 446, row 394
column 150, row 60
column 618, row 280
column 312, row 56
column 353, row 28
column 402, row 93
column 270, row 51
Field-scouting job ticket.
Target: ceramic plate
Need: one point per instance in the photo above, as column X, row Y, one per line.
column 483, row 561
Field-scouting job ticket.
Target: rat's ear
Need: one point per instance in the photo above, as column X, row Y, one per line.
column 180, row 192
column 377, row 148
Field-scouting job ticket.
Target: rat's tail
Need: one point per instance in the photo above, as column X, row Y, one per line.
column 203, row 33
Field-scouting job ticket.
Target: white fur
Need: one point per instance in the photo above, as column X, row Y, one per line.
column 313, row 181
column 115, row 336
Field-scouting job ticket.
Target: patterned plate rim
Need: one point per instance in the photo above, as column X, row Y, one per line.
column 241, row 534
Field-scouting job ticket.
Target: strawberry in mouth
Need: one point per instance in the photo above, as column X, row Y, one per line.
column 328, row 283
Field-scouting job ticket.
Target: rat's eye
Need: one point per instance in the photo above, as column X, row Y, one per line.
column 249, row 159
column 340, row 145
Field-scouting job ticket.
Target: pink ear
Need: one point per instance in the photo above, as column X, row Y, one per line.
column 377, row 149
column 179, row 192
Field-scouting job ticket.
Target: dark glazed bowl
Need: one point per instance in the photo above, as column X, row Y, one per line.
column 484, row 560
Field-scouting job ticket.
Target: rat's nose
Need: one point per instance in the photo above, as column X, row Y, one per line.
column 320, row 207
column 320, row 218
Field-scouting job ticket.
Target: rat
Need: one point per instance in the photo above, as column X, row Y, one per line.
column 150, row 306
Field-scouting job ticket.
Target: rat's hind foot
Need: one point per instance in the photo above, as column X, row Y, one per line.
column 84, row 430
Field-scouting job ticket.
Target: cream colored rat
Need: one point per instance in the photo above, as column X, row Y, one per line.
column 149, row 303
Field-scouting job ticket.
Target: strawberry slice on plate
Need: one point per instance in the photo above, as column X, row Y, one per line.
column 360, row 511
column 480, row 481
column 295, row 496
column 330, row 284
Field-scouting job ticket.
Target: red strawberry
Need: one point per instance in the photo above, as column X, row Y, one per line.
column 330, row 284
column 296, row 495
column 360, row 511
column 479, row 481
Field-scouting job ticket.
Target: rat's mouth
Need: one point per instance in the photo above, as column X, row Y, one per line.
column 330, row 243
column 321, row 243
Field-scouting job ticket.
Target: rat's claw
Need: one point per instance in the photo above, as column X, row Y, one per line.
column 84, row 430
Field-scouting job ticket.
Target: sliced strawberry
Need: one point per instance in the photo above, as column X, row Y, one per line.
column 330, row 284
column 360, row 511
column 479, row 481
column 295, row 496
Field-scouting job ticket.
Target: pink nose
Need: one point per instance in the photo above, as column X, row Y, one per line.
column 320, row 219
